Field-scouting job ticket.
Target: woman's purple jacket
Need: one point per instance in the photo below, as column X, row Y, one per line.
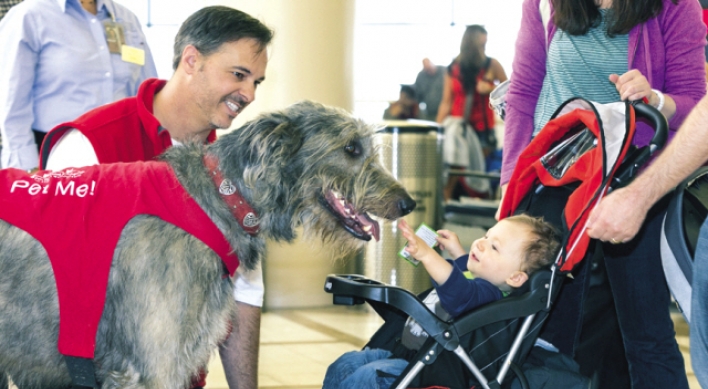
column 667, row 50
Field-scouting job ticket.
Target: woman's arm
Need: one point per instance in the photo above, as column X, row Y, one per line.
column 494, row 76
column 683, row 33
column 17, row 76
column 528, row 72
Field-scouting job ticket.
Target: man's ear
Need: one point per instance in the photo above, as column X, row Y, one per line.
column 190, row 59
column 517, row 279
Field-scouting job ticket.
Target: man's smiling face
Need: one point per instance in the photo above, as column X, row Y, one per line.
column 226, row 80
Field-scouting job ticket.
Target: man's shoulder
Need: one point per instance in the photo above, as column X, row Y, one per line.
column 109, row 113
column 31, row 11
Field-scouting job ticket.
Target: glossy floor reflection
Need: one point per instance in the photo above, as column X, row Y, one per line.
column 298, row 345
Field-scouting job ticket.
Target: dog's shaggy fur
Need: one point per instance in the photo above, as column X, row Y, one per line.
column 167, row 304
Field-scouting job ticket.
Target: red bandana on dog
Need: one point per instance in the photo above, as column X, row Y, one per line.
column 78, row 214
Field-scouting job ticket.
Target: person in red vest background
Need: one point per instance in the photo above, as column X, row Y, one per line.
column 469, row 80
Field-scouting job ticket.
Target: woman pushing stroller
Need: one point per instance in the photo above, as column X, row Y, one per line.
column 606, row 51
column 500, row 262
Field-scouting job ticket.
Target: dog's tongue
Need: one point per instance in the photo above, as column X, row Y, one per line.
column 351, row 217
column 369, row 225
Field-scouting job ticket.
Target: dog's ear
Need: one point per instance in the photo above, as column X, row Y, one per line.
column 287, row 142
column 273, row 143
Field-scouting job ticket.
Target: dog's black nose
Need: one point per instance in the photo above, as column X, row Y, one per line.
column 406, row 205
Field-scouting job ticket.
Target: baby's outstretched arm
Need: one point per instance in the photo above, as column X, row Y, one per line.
column 438, row 268
column 448, row 240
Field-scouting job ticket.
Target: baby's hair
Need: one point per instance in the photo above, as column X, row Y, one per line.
column 542, row 250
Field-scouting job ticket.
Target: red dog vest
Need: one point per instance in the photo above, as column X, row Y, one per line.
column 78, row 214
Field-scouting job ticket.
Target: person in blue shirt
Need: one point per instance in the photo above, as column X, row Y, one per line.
column 499, row 262
column 62, row 58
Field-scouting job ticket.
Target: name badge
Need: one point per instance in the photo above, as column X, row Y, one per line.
column 133, row 55
column 115, row 37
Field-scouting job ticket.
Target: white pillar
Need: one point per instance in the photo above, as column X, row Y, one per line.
column 310, row 58
column 311, row 54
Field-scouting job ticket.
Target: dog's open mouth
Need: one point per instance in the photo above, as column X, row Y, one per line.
column 358, row 224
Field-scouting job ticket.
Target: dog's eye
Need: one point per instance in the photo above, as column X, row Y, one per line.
column 353, row 149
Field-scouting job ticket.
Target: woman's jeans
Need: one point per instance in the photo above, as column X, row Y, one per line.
column 358, row 369
column 699, row 309
column 642, row 300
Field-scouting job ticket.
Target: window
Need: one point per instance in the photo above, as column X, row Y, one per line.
column 392, row 37
column 161, row 21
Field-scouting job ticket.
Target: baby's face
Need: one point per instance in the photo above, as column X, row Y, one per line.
column 499, row 254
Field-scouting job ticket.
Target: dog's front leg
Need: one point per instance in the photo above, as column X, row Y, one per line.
column 168, row 305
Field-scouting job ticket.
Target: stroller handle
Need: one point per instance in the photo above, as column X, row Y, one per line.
column 634, row 161
column 661, row 125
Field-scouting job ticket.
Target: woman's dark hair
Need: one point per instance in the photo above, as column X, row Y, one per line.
column 576, row 17
column 472, row 58
column 210, row 27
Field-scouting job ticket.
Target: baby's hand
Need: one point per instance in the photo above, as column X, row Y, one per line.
column 448, row 240
column 416, row 247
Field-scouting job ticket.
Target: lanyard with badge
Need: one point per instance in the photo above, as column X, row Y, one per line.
column 115, row 39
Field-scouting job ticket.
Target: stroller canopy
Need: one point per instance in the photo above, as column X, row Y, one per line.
column 582, row 145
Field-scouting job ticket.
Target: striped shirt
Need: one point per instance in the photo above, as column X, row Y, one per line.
column 580, row 66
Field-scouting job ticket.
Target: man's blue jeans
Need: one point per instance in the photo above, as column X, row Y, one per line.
column 699, row 309
column 358, row 369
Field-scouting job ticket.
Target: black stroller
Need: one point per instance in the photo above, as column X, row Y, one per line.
column 574, row 161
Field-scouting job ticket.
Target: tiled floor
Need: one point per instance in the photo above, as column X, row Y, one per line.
column 298, row 345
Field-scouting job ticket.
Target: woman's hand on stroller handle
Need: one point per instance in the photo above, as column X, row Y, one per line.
column 634, row 86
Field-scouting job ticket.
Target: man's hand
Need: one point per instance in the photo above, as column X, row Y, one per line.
column 619, row 216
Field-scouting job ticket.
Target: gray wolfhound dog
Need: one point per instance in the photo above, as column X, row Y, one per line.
column 168, row 303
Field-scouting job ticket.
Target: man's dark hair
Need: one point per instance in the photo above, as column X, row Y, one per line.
column 210, row 27
column 576, row 17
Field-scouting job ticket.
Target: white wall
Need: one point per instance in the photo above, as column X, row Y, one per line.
column 393, row 36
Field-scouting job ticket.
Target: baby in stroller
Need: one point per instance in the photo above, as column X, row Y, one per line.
column 500, row 262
